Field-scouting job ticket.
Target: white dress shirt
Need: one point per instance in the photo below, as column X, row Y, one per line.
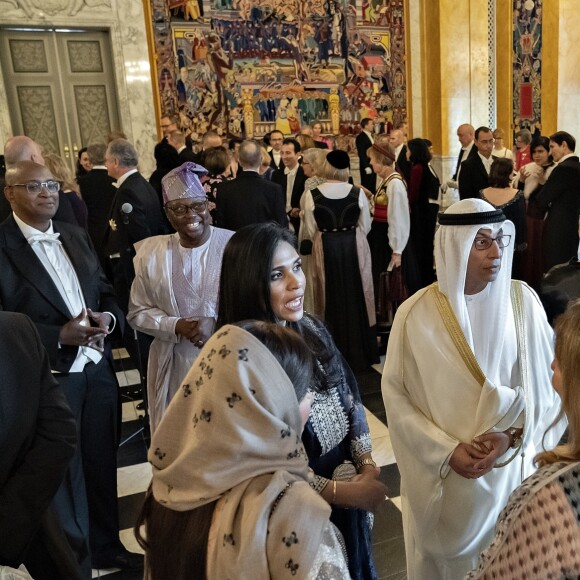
column 290, row 178
column 486, row 161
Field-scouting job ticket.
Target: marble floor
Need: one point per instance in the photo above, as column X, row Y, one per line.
column 134, row 473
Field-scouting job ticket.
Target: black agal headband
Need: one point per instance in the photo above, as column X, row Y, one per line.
column 471, row 219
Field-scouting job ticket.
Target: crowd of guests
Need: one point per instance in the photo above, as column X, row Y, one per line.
column 249, row 274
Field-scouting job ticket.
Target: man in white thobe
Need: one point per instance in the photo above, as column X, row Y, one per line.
column 467, row 391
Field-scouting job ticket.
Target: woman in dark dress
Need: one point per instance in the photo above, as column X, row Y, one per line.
column 530, row 179
column 422, row 222
column 262, row 279
column 511, row 201
column 336, row 218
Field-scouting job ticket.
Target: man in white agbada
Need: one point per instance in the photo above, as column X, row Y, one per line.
column 175, row 291
column 467, row 391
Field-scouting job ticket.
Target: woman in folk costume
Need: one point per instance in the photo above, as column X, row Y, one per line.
column 230, row 496
column 337, row 219
column 537, row 535
column 174, row 294
column 391, row 218
column 467, row 390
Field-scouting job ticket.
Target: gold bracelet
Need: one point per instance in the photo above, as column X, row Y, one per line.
column 333, row 491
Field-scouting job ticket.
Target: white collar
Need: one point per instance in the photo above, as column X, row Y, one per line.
column 100, row 167
column 291, row 171
column 28, row 231
column 124, row 177
column 486, row 160
column 566, row 157
column 181, row 149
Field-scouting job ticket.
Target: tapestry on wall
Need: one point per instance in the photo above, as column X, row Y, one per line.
column 527, row 68
column 244, row 68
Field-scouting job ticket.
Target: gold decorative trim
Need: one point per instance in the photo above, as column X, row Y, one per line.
column 452, row 325
column 517, row 297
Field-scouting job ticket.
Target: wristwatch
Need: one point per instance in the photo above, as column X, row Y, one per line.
column 516, row 436
column 361, row 462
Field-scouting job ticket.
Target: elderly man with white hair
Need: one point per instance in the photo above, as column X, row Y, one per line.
column 467, row 392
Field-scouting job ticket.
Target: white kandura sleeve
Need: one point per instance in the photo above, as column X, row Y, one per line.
column 364, row 219
column 398, row 216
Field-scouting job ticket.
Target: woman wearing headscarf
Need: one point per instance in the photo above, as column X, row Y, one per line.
column 336, row 219
column 337, row 431
column 230, row 496
column 537, row 534
column 174, row 294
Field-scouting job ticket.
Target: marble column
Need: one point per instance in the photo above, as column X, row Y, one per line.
column 568, row 69
column 454, row 72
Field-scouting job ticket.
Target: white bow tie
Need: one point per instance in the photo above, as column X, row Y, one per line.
column 50, row 238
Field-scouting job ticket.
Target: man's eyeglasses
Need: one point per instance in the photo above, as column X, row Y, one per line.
column 485, row 243
column 181, row 209
column 35, row 187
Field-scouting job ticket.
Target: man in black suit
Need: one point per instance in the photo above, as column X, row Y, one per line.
column 37, row 442
column 397, row 142
column 474, row 172
column 50, row 272
column 22, row 148
column 98, row 192
column 560, row 198
column 249, row 198
column 276, row 140
column 466, row 135
column 364, row 141
column 291, row 179
column 177, row 140
column 136, row 214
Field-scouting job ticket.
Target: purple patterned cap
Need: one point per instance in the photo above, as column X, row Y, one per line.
column 183, row 183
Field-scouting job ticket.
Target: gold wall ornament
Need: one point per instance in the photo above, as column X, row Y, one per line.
column 248, row 112
column 334, row 110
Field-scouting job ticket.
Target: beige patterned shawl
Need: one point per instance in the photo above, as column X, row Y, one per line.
column 232, row 433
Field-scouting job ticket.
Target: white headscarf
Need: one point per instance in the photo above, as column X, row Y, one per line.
column 453, row 244
column 232, row 433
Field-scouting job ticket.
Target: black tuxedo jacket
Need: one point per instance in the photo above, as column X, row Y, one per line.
column 473, row 151
column 273, row 163
column 187, row 155
column 144, row 221
column 249, row 199
column 473, row 177
column 368, row 180
column 560, row 197
column 26, row 287
column 98, row 192
column 281, row 179
column 37, row 435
